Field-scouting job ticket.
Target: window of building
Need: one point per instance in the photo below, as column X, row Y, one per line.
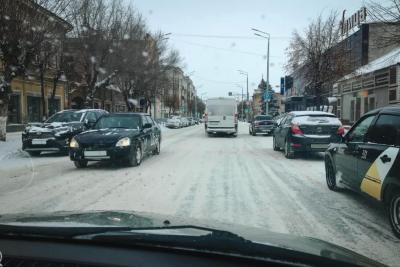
column 386, row 130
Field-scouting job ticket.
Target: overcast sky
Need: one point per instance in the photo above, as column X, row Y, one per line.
column 214, row 61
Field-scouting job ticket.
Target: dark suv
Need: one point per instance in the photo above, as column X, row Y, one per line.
column 262, row 124
column 306, row 131
column 367, row 160
column 55, row 133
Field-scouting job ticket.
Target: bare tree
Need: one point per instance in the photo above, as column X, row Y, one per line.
column 389, row 15
column 23, row 26
column 93, row 40
column 318, row 55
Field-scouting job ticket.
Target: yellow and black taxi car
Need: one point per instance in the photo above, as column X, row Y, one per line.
column 367, row 160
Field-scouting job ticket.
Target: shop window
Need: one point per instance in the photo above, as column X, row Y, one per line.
column 54, row 106
column 371, row 103
column 392, row 95
column 358, row 108
column 14, row 109
column 366, row 104
column 392, row 74
column 34, row 109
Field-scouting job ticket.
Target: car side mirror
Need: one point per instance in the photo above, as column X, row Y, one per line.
column 147, row 125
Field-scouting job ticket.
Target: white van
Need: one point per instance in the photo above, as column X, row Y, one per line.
column 221, row 116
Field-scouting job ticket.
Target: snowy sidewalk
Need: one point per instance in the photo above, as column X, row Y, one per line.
column 12, row 148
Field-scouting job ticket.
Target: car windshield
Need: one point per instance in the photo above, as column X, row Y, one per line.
column 264, row 114
column 119, row 121
column 66, row 116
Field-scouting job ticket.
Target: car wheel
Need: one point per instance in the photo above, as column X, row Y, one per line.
column 288, row 150
column 274, row 145
column 136, row 156
column 81, row 163
column 34, row 153
column 394, row 213
column 234, row 134
column 330, row 175
column 157, row 149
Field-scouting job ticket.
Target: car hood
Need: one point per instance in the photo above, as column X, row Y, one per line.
column 307, row 245
column 109, row 135
column 54, row 127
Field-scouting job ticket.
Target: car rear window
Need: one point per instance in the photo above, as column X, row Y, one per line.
column 262, row 118
column 220, row 110
column 316, row 119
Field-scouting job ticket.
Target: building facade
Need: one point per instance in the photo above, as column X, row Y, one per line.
column 370, row 82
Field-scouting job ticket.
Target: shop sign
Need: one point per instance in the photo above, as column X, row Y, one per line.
column 354, row 20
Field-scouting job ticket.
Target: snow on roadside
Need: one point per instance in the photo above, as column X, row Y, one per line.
column 12, row 147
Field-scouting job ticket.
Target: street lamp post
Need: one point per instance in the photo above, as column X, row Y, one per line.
column 247, row 88
column 242, row 100
column 267, row 36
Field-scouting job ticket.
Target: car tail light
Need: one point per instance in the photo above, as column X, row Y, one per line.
column 296, row 129
column 236, row 117
column 340, row 130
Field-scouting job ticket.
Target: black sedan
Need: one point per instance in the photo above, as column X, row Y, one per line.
column 262, row 124
column 306, row 131
column 125, row 137
column 367, row 160
column 55, row 133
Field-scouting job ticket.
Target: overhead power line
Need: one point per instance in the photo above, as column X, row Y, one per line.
column 224, row 36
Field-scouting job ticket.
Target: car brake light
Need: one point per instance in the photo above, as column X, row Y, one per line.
column 340, row 130
column 296, row 129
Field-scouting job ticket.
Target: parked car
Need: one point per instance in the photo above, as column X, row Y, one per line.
column 261, row 124
column 115, row 137
column 185, row 122
column 191, row 121
column 367, row 160
column 56, row 132
column 221, row 116
column 174, row 122
column 306, row 131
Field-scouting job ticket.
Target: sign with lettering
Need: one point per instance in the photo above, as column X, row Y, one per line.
column 354, row 20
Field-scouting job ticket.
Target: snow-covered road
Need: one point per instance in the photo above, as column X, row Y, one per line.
column 234, row 180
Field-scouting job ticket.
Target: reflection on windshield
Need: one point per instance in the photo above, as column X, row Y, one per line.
column 69, row 116
column 127, row 122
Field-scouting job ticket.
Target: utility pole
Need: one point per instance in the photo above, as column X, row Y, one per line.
column 267, row 36
column 247, row 88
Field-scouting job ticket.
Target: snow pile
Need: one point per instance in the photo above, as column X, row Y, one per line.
column 12, row 147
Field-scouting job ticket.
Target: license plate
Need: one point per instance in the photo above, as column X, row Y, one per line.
column 95, row 153
column 320, row 146
column 39, row 141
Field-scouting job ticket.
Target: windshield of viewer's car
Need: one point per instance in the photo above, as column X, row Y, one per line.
column 221, row 113
column 66, row 116
column 118, row 121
